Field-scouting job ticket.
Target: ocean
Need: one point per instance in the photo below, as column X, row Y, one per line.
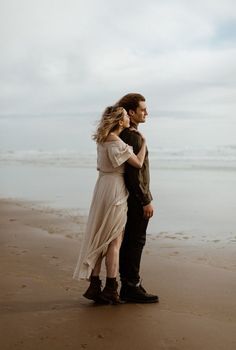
column 66, row 141
column 52, row 160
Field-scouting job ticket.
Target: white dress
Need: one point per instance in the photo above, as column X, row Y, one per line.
column 108, row 210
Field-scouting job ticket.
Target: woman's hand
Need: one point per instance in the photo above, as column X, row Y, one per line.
column 138, row 132
column 143, row 138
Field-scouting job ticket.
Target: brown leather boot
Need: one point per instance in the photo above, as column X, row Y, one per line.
column 109, row 293
column 94, row 290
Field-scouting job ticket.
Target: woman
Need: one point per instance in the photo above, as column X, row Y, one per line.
column 108, row 210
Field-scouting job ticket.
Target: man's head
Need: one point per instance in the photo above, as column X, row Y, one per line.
column 135, row 106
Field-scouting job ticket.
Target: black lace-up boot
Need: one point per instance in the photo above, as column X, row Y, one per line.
column 94, row 290
column 109, row 293
column 135, row 293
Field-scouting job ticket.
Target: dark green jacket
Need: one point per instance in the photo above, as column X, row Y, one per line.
column 137, row 180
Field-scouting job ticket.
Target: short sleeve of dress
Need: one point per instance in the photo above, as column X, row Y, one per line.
column 119, row 153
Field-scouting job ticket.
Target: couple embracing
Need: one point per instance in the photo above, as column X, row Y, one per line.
column 121, row 207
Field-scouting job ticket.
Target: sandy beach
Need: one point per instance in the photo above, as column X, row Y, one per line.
column 62, row 63
column 42, row 306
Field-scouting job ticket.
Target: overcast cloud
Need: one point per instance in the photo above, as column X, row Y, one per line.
column 73, row 56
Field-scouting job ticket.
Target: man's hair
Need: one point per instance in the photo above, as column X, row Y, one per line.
column 130, row 101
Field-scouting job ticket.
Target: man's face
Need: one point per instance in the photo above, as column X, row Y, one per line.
column 139, row 116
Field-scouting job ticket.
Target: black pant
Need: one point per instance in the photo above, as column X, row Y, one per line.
column 133, row 242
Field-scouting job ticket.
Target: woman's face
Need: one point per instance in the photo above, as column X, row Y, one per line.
column 126, row 120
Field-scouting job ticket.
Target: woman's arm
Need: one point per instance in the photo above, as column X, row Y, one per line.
column 137, row 160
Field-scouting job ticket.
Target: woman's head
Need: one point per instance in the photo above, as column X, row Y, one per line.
column 113, row 118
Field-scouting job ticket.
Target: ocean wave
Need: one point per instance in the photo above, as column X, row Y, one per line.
column 222, row 154
column 60, row 157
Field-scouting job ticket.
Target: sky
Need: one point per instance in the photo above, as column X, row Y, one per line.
column 78, row 56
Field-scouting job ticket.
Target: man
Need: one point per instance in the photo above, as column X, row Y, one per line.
column 140, row 209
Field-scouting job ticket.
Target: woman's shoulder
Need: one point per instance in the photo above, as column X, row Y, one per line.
column 112, row 137
column 114, row 141
column 115, row 146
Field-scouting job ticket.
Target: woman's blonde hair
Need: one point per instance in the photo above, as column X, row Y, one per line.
column 108, row 123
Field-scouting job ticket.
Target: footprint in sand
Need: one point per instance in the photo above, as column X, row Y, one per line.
column 201, row 259
column 19, row 252
column 19, row 342
column 174, row 253
column 100, row 336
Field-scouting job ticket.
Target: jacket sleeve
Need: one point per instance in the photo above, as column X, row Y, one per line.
column 134, row 176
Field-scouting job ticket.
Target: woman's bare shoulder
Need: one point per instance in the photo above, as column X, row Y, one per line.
column 112, row 137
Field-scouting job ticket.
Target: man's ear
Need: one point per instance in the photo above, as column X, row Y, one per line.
column 131, row 113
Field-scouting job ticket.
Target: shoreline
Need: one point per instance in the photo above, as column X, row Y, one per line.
column 43, row 306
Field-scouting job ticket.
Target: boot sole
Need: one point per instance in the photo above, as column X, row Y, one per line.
column 110, row 301
column 96, row 299
column 139, row 301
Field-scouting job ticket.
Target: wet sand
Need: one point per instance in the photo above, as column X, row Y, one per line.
column 42, row 306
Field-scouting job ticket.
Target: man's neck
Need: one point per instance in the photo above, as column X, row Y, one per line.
column 133, row 125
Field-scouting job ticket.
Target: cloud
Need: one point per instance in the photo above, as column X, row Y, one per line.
column 70, row 56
